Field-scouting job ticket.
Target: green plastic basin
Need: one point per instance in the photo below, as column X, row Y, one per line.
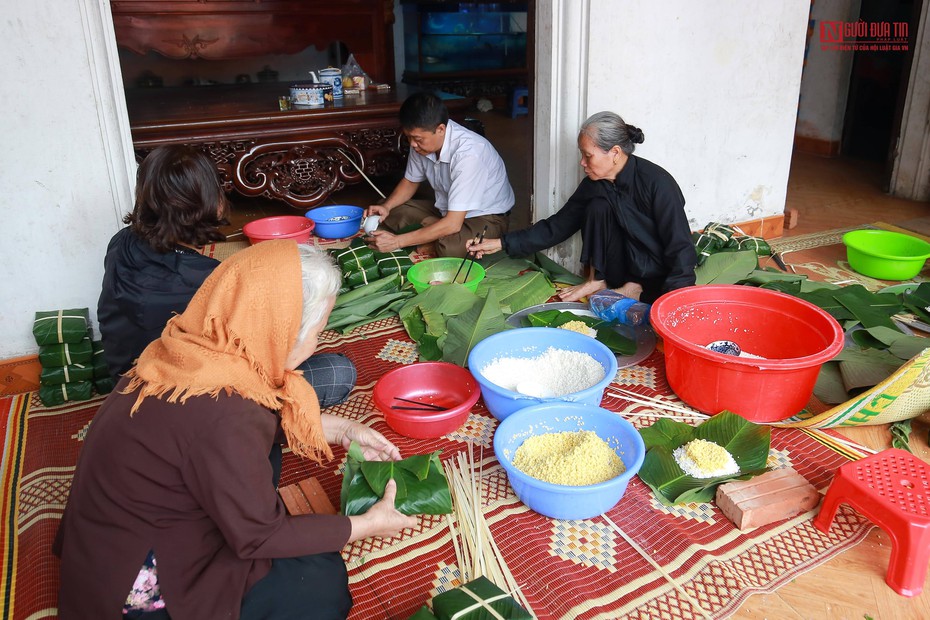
column 442, row 270
column 884, row 254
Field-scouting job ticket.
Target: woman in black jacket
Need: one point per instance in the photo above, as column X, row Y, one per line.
column 636, row 236
column 154, row 266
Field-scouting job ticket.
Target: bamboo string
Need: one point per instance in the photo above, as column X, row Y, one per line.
column 362, row 172
column 476, row 552
column 656, row 566
column 655, row 402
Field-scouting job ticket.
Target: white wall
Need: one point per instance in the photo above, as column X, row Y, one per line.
column 825, row 82
column 714, row 87
column 64, row 166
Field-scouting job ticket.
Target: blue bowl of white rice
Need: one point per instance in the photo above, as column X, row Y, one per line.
column 522, row 367
column 569, row 500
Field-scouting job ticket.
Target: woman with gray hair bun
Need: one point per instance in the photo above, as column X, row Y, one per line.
column 631, row 215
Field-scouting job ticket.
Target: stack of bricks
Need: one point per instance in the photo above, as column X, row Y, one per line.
column 66, row 353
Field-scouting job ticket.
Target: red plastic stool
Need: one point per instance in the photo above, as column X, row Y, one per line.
column 892, row 489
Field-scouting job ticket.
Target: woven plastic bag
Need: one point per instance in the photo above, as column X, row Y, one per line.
column 902, row 396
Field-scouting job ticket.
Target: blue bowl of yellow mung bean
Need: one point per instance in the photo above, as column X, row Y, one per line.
column 568, row 460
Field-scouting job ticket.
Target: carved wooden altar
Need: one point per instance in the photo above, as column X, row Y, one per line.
column 298, row 156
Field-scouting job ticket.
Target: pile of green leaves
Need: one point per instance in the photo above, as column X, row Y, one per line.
column 746, row 441
column 371, row 302
column 421, row 484
column 606, row 334
column 447, row 321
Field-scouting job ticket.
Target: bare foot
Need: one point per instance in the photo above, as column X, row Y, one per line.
column 631, row 290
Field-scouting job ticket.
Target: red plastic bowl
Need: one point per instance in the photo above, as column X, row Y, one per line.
column 793, row 336
column 437, row 383
column 295, row 227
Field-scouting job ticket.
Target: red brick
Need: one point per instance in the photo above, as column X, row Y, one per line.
column 770, row 497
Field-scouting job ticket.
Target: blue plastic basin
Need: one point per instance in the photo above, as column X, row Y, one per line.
column 562, row 501
column 336, row 221
column 533, row 342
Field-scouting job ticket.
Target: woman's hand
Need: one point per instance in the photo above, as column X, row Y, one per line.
column 574, row 293
column 488, row 246
column 382, row 519
column 343, row 432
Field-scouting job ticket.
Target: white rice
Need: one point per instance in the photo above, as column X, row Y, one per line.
column 554, row 373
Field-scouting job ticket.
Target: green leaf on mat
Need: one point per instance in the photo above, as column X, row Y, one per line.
column 471, row 327
column 518, row 292
column 746, row 441
column 830, row 388
column 556, row 272
column 918, row 301
column 901, row 435
column 871, row 309
column 726, row 267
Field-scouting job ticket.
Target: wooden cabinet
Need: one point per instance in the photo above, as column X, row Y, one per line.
column 225, row 29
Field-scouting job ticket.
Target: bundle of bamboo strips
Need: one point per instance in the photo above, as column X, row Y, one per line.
column 476, row 553
column 673, row 411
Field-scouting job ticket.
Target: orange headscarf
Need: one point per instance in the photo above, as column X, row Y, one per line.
column 235, row 336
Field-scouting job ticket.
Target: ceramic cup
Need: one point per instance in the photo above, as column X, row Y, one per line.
column 370, row 224
column 331, row 76
column 313, row 95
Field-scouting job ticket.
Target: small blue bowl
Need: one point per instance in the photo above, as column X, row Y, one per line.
column 336, row 221
column 560, row 501
column 533, row 342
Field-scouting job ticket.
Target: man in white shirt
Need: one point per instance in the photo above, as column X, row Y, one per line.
column 466, row 173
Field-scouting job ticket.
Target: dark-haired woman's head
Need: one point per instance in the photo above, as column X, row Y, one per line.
column 179, row 199
column 607, row 130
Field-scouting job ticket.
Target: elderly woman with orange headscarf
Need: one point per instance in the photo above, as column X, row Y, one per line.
column 173, row 511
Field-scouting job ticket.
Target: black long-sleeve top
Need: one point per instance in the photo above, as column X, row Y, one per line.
column 634, row 229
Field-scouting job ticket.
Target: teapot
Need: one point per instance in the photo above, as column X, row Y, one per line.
column 332, row 76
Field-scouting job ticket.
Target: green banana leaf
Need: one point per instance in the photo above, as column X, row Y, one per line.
column 746, row 441
column 421, row 484
column 824, row 298
column 387, row 284
column 425, row 315
column 726, row 267
column 471, row 327
column 518, row 292
column 606, row 334
column 871, row 309
column 918, row 301
column 555, row 271
column 367, row 307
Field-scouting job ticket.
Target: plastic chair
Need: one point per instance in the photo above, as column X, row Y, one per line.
column 519, row 102
column 892, row 489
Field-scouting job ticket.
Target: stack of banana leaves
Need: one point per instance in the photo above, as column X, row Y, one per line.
column 447, row 321
column 878, row 339
column 718, row 237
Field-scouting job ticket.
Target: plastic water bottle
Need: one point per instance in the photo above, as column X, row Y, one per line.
column 609, row 305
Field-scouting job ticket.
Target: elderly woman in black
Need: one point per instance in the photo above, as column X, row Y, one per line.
column 630, row 213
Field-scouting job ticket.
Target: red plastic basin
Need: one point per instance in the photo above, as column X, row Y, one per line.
column 793, row 337
column 437, row 383
column 295, row 227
